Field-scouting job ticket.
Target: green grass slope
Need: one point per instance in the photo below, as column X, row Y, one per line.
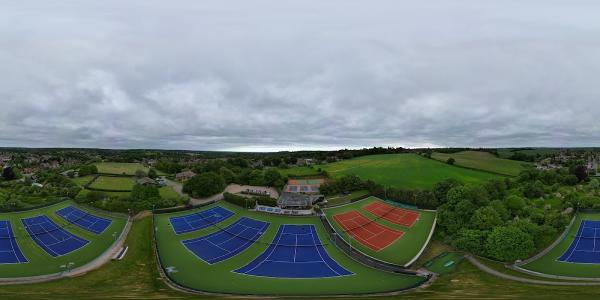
column 410, row 171
column 484, row 161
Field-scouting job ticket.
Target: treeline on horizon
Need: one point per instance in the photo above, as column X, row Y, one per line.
column 128, row 155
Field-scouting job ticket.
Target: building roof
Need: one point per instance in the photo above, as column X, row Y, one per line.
column 294, row 200
column 185, row 174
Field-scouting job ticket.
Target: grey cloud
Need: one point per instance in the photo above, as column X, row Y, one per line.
column 269, row 75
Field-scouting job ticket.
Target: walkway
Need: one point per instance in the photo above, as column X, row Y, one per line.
column 493, row 272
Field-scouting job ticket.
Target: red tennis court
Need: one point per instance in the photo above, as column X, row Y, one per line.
column 393, row 214
column 367, row 232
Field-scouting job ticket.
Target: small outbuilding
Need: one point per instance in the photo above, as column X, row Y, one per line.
column 185, row 175
column 146, row 181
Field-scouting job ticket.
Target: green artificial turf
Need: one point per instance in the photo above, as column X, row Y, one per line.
column 549, row 263
column 220, row 278
column 113, row 183
column 404, row 249
column 42, row 263
column 484, row 161
column 409, row 171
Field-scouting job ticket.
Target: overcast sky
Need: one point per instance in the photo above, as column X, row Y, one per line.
column 289, row 75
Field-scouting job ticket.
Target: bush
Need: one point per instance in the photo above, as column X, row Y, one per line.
column 450, row 161
column 249, row 202
column 204, row 185
column 508, row 243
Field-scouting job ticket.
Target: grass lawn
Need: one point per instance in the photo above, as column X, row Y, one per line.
column 549, row 263
column 445, row 263
column 114, row 183
column 83, row 180
column 339, row 199
column 120, row 168
column 409, row 171
column 40, row 262
column 84, row 192
column 508, row 152
column 167, row 192
column 484, row 161
column 193, row 272
column 299, row 171
column 402, row 250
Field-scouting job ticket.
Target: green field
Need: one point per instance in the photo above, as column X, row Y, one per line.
column 299, row 171
column 120, row 168
column 113, row 183
column 81, row 181
column 219, row 278
column 549, row 263
column 484, row 161
column 409, row 171
column 403, row 250
column 84, row 192
column 40, row 262
column 508, row 152
column 167, row 192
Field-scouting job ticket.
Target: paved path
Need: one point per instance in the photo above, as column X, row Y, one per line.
column 493, row 272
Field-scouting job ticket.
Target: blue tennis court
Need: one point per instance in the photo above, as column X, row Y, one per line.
column 296, row 252
column 10, row 253
column 52, row 238
column 585, row 247
column 227, row 242
column 83, row 219
column 199, row 220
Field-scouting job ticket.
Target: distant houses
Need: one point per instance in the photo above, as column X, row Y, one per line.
column 185, row 175
column 305, row 162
